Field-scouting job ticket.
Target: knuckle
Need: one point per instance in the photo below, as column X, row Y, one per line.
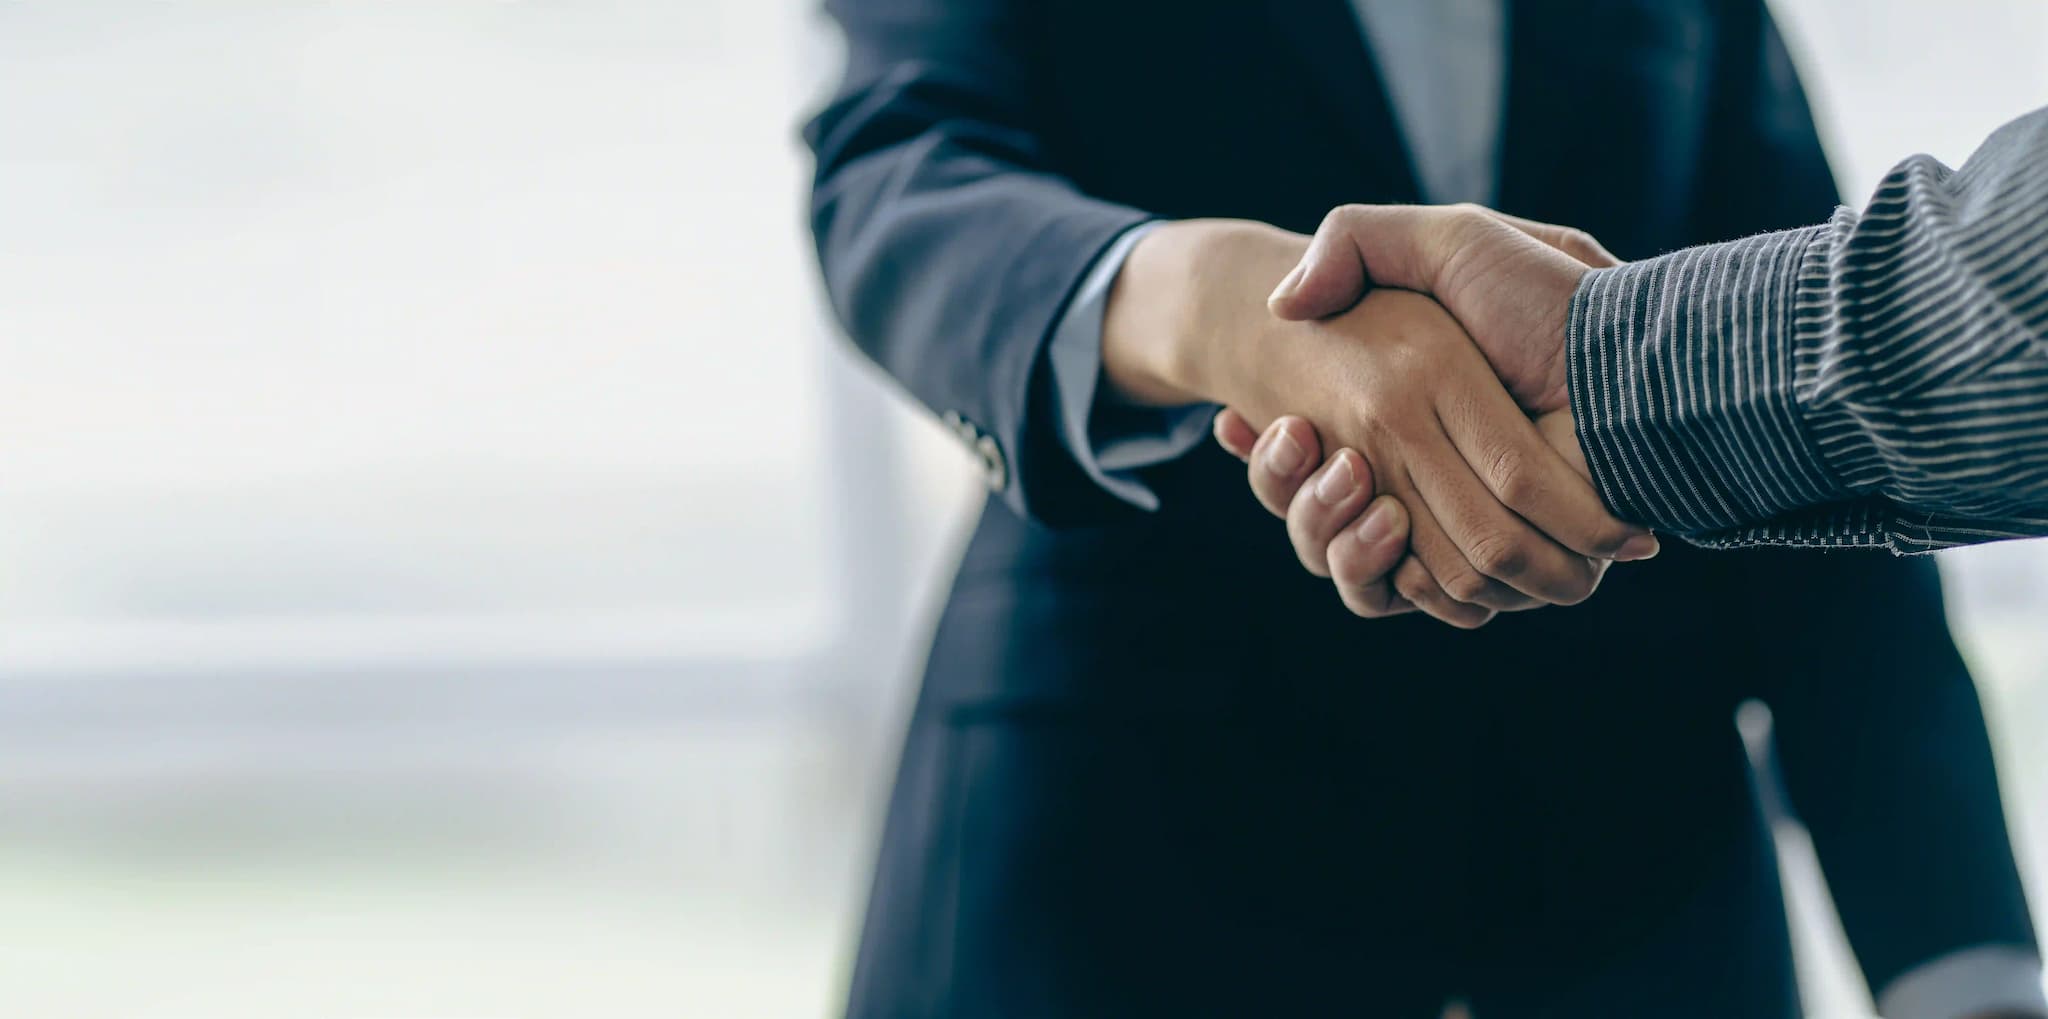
column 1376, row 432
column 1344, row 215
column 1577, row 590
column 1467, row 586
column 1414, row 584
column 1582, row 586
column 1517, row 484
column 1607, row 538
column 1351, row 564
column 1618, row 534
column 1501, row 556
column 1404, row 355
column 1306, row 551
column 1572, row 588
column 1579, row 242
column 1344, row 566
column 1352, row 604
column 1473, row 620
column 1361, row 603
column 1470, row 217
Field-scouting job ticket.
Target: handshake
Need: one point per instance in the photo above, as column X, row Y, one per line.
column 1424, row 348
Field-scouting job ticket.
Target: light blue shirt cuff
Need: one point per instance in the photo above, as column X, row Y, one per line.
column 1974, row 981
column 1112, row 440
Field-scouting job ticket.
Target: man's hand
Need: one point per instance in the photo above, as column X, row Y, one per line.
column 1509, row 282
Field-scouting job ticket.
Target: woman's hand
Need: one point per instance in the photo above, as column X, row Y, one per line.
column 1496, row 518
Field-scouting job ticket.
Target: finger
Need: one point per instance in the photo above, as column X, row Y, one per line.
column 1234, row 434
column 1498, row 546
column 1450, row 573
column 1563, row 440
column 1415, row 585
column 1571, row 240
column 1332, row 499
column 1524, row 473
column 1561, row 435
column 1376, row 601
column 1281, row 460
column 1363, row 555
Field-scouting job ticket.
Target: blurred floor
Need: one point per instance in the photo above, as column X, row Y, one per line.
column 447, row 863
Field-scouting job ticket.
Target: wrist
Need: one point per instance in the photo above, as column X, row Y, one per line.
column 1188, row 305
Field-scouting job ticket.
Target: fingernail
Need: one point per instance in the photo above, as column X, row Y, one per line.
column 1337, row 483
column 1288, row 283
column 1284, row 455
column 1642, row 546
column 1378, row 524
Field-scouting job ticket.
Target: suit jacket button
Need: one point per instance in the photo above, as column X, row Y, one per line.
column 961, row 428
column 992, row 465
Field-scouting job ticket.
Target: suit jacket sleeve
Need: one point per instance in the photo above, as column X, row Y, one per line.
column 1885, row 758
column 949, row 241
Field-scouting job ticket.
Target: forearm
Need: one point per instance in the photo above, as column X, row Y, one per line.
column 1187, row 319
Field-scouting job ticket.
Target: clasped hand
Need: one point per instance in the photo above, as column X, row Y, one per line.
column 1457, row 486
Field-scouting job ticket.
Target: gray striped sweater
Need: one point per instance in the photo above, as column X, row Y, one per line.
column 1880, row 380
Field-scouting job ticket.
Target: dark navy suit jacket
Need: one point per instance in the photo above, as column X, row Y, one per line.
column 1155, row 767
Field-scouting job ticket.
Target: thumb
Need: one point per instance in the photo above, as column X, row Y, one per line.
column 1331, row 276
column 1356, row 247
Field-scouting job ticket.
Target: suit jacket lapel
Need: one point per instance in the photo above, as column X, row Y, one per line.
column 1327, row 38
column 1537, row 116
column 1592, row 130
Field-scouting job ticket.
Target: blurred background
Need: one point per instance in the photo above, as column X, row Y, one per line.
column 447, row 565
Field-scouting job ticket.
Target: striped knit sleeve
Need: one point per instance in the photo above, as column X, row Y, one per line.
column 1880, row 380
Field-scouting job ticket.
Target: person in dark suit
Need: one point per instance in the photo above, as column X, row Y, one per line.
column 1154, row 769
column 1894, row 779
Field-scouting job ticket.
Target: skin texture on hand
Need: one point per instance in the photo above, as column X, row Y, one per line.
column 1355, row 543
column 1395, row 380
column 1494, row 517
column 1508, row 281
